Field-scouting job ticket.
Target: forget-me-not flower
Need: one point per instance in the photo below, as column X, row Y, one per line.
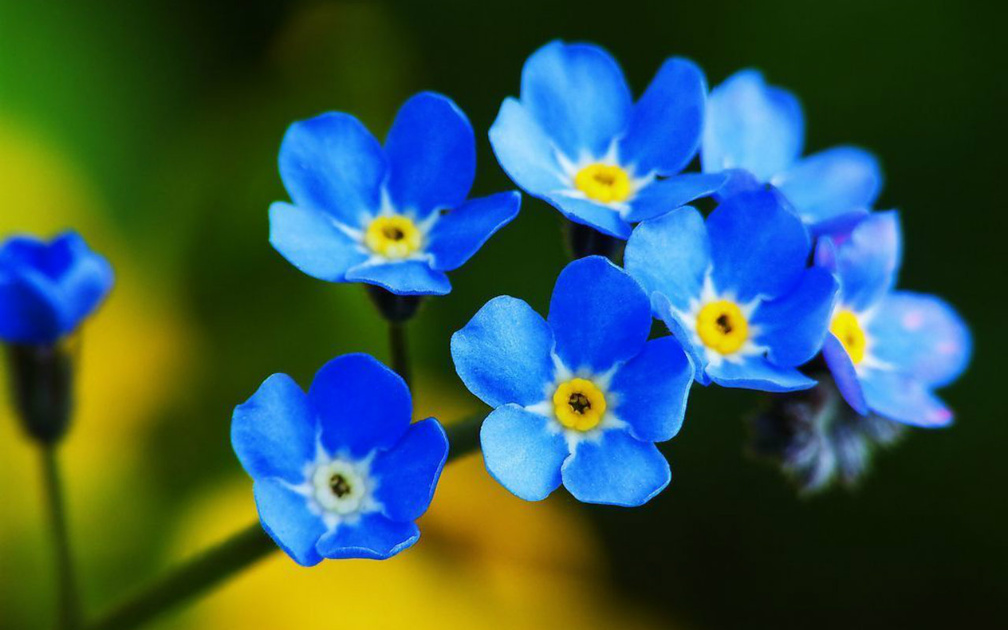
column 736, row 290
column 577, row 140
column 48, row 288
column 888, row 350
column 395, row 217
column 339, row 472
column 579, row 398
column 756, row 132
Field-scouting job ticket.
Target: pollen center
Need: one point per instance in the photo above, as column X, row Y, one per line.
column 338, row 487
column 603, row 182
column 722, row 326
column 394, row 236
column 846, row 327
column 579, row 404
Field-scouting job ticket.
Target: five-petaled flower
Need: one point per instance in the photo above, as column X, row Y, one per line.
column 395, row 217
column 48, row 288
column 339, row 472
column 889, row 349
column 579, row 398
column 755, row 132
column 736, row 290
column 577, row 140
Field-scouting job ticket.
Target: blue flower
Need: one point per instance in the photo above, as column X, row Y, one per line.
column 339, row 472
column 395, row 217
column 736, row 290
column 889, row 349
column 577, row 140
column 48, row 289
column 579, row 398
column 756, row 132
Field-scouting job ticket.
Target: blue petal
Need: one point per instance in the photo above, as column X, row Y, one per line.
column 431, row 153
column 29, row 310
column 577, row 94
column 503, row 353
column 285, row 517
column 670, row 255
column 402, row 277
column 361, row 405
column 599, row 315
column 595, row 215
column 667, row 122
column 651, row 390
column 794, row 326
column 831, row 183
column 683, row 333
column 332, row 163
column 85, row 280
column 408, row 473
column 751, row 125
column 460, row 233
column 374, row 537
column 522, row 452
column 866, row 263
column 920, row 335
column 759, row 373
column 525, row 152
column 758, row 247
column 663, row 196
column 311, row 241
column 844, row 374
column 273, row 432
column 904, row 399
column 616, row 469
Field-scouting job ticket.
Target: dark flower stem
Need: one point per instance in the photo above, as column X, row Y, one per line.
column 399, row 347
column 217, row 564
column 68, row 608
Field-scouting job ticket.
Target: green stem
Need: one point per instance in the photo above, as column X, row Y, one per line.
column 399, row 346
column 68, row 608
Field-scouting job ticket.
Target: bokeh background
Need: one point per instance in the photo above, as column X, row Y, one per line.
column 152, row 127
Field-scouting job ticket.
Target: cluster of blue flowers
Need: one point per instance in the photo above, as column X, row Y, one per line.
column 792, row 264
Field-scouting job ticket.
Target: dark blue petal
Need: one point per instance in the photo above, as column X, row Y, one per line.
column 503, row 353
column 577, row 94
column 311, row 241
column 408, row 473
column 431, row 153
column 594, row 215
column 599, row 315
column 523, row 452
column 758, row 247
column 831, row 183
column 461, row 232
column 661, row 197
column 844, row 374
column 793, row 327
column 361, row 405
column 616, row 469
column 651, row 390
column 759, row 373
column 402, row 277
column 29, row 310
column 667, row 122
column 921, row 336
column 273, row 433
column 753, row 126
column 285, row 517
column 332, row 163
column 374, row 537
column 670, row 256
column 85, row 280
column 525, row 152
column 904, row 399
column 866, row 263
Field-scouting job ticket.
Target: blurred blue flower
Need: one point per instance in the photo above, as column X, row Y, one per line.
column 756, row 132
column 889, row 349
column 339, row 472
column 394, row 217
column 736, row 290
column 577, row 140
column 48, row 289
column 579, row 398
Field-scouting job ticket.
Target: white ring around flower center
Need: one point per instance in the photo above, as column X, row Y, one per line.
column 338, row 487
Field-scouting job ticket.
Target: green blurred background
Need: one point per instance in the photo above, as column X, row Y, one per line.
column 153, row 128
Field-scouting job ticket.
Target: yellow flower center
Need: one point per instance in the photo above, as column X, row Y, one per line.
column 579, row 404
column 603, row 182
column 393, row 236
column 722, row 326
column 847, row 329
